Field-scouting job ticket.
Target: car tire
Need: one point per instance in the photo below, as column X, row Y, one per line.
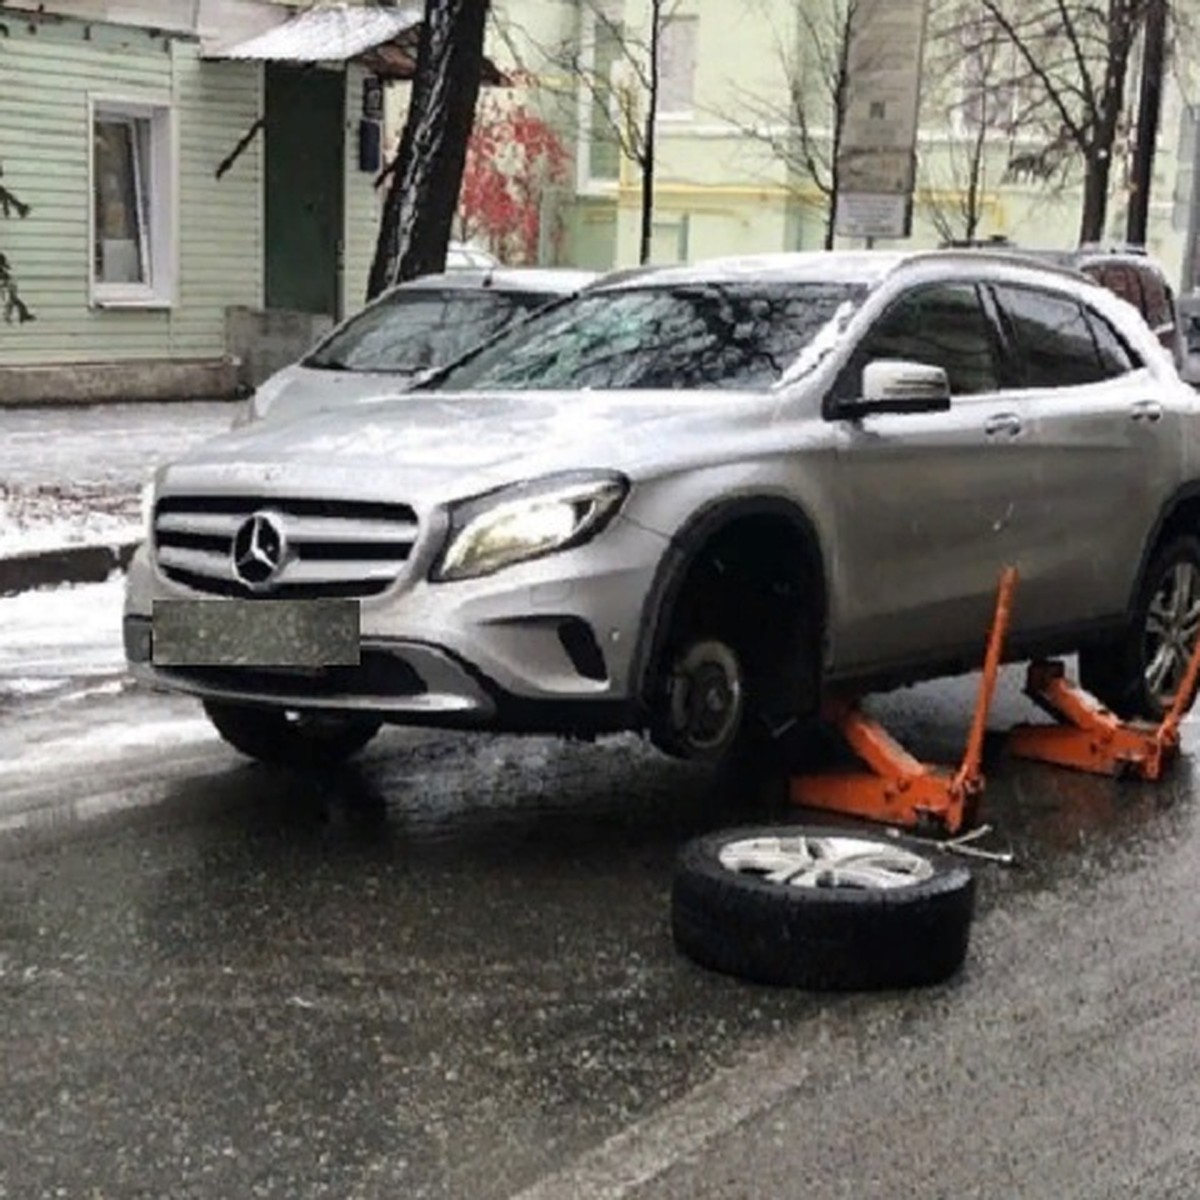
column 287, row 738
column 898, row 915
column 1120, row 673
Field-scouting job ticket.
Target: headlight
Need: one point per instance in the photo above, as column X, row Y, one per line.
column 527, row 521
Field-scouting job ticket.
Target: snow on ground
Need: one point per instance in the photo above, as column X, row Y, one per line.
column 73, row 476
column 52, row 634
column 46, row 518
column 82, row 736
column 115, row 445
column 64, row 691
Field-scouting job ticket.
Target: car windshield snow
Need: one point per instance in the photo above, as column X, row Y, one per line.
column 414, row 330
column 693, row 336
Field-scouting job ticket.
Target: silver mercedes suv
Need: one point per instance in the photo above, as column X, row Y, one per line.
column 686, row 501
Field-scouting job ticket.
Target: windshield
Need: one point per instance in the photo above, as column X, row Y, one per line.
column 411, row 331
column 694, row 336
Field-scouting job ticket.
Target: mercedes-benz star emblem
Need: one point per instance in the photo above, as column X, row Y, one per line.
column 259, row 550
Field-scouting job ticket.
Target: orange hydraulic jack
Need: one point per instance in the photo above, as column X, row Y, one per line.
column 1089, row 737
column 901, row 790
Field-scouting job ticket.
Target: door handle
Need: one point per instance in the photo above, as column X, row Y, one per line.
column 1146, row 410
column 1009, row 423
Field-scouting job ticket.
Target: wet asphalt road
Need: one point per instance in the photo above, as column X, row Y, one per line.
column 447, row 972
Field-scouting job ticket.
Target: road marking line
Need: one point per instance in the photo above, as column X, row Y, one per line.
column 648, row 1149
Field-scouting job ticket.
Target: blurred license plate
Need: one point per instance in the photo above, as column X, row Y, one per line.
column 256, row 633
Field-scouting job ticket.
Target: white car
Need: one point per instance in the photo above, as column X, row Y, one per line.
column 684, row 503
column 406, row 333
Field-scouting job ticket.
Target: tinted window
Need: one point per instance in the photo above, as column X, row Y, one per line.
column 1053, row 342
column 943, row 326
column 702, row 335
column 1115, row 357
column 1158, row 300
column 1119, row 279
column 412, row 330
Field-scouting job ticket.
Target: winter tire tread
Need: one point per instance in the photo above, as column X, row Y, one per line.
column 823, row 940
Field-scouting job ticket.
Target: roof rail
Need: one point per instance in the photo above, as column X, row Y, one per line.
column 622, row 275
column 1009, row 256
column 1114, row 248
column 995, row 240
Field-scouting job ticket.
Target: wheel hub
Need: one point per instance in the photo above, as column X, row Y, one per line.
column 707, row 695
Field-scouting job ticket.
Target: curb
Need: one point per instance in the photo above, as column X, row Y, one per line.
column 70, row 564
column 74, row 403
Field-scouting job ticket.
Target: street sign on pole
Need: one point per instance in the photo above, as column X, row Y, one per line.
column 877, row 155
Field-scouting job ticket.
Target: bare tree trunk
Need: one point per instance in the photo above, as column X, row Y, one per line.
column 648, row 146
column 1098, row 155
column 1095, row 196
column 1149, row 107
column 418, row 213
column 975, row 181
column 841, row 100
column 831, row 201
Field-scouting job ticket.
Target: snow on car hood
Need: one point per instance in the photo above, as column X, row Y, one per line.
column 298, row 390
column 430, row 447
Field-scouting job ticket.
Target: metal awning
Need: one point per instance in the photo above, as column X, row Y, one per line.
column 383, row 39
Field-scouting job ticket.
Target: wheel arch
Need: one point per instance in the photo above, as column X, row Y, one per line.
column 700, row 533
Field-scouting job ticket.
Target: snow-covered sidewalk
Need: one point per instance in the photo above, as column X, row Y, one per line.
column 73, row 476
column 65, row 695
column 57, row 635
column 44, row 518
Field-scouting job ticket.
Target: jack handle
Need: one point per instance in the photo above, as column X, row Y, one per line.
column 968, row 775
column 1168, row 731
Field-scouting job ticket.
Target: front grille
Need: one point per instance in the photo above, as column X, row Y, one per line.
column 335, row 548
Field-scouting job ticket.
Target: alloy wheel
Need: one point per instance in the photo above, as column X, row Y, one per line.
column 1172, row 623
column 826, row 862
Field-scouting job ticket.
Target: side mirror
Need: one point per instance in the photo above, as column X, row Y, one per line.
column 891, row 385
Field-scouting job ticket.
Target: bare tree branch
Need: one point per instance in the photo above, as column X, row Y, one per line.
column 799, row 124
column 1075, row 57
column 13, row 307
column 627, row 108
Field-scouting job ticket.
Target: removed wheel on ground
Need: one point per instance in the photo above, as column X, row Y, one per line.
column 291, row 738
column 821, row 908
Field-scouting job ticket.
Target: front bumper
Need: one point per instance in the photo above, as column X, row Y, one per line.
column 550, row 644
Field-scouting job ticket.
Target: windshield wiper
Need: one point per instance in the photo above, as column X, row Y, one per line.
column 328, row 364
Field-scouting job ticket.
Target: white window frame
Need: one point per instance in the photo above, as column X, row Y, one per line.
column 686, row 113
column 585, row 182
column 157, row 225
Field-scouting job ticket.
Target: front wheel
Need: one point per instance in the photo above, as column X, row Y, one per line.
column 291, row 738
column 738, row 676
column 1138, row 673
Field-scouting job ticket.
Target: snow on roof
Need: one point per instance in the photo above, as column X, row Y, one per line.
column 326, row 33
column 824, row 266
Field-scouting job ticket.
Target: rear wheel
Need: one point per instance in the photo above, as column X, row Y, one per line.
column 290, row 737
column 1138, row 673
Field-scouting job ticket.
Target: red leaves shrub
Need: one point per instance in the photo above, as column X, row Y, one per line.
column 513, row 157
